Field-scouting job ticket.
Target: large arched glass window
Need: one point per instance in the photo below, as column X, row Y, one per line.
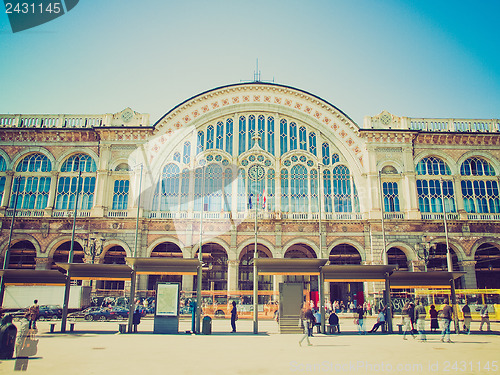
column 283, row 136
column 67, row 184
column 293, row 136
column 242, row 135
column 479, row 187
column 299, row 189
column 213, row 188
column 168, row 189
column 429, row 189
column 284, row 190
column 120, row 194
column 32, row 182
column 229, row 136
column 270, row 135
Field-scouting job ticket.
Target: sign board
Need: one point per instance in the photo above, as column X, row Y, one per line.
column 167, row 299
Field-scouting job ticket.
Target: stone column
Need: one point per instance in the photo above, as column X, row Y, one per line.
column 232, row 274
column 469, row 266
column 7, row 190
column 187, row 283
column 42, row 263
column 416, row 265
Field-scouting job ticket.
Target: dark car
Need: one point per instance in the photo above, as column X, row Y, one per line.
column 115, row 312
column 48, row 312
column 82, row 313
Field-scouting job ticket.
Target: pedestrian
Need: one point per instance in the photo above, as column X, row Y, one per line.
column 33, row 313
column 380, row 321
column 411, row 313
column 333, row 321
column 234, row 317
column 136, row 318
column 360, row 312
column 420, row 320
column 467, row 317
column 434, row 318
column 406, row 320
column 447, row 316
column 305, row 323
column 485, row 318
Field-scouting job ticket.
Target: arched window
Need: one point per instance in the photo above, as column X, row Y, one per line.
column 242, row 135
column 229, row 136
column 260, row 127
column 302, row 138
column 184, row 190
column 168, row 188
column 3, row 164
column 79, row 162
column 480, row 189
column 220, row 136
column 120, row 195
column 325, row 151
column 33, row 192
column 213, row 188
column 327, row 188
column 432, row 166
column 251, row 130
column 299, row 189
column 335, row 158
column 342, row 189
column 186, row 158
column 200, row 142
column 270, row 135
column 293, row 136
column 312, row 143
column 284, row 190
column 177, row 157
column 210, row 137
column 283, row 136
column 391, row 196
column 228, row 183
column 198, row 189
column 270, row 190
column 35, row 163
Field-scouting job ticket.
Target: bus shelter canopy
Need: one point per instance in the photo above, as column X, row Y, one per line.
column 430, row 279
column 356, row 272
column 289, row 266
column 39, row 277
column 164, row 266
column 88, row 271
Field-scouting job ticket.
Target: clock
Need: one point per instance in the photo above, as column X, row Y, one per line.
column 256, row 172
column 127, row 116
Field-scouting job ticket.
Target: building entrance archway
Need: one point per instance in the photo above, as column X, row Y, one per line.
column 350, row 293
column 487, row 266
column 165, row 250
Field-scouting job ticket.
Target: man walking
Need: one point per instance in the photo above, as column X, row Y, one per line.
column 485, row 318
column 447, row 315
column 467, row 318
column 420, row 319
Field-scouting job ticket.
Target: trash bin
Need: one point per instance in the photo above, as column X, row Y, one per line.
column 8, row 332
column 206, row 328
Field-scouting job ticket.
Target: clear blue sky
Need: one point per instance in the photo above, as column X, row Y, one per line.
column 413, row 58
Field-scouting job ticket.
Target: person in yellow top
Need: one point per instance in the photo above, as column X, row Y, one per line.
column 32, row 314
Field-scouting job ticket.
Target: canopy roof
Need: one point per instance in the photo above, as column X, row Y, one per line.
column 356, row 272
column 88, row 271
column 430, row 279
column 40, row 277
column 289, row 266
column 164, row 266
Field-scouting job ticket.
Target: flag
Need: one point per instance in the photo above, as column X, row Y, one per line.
column 264, row 198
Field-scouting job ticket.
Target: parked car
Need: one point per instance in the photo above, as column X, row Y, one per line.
column 108, row 313
column 47, row 312
column 82, row 313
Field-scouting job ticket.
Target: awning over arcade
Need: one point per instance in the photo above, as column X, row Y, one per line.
column 292, row 266
column 38, row 277
column 164, row 266
column 87, row 271
column 354, row 272
column 430, row 279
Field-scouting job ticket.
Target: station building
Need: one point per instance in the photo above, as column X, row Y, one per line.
column 321, row 186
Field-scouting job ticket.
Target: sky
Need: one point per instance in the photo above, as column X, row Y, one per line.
column 436, row 59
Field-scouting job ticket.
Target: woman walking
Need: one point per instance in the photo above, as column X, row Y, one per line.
column 406, row 320
column 306, row 322
column 234, row 317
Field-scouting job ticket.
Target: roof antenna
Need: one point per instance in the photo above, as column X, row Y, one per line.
column 257, row 75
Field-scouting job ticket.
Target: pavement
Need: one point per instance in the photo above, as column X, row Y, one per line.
column 98, row 348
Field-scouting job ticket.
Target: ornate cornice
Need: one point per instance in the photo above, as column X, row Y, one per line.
column 124, row 134
column 47, row 135
column 458, row 139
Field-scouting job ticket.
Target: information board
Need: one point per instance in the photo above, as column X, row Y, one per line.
column 167, row 299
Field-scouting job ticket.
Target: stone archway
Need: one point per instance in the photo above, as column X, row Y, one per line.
column 438, row 261
column 165, row 250
column 487, row 258
column 113, row 255
column 22, row 255
column 245, row 269
column 61, row 254
column 215, row 267
column 297, row 251
column 346, row 292
column 397, row 256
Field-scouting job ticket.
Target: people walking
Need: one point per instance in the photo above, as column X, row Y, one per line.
column 360, row 317
column 485, row 318
column 467, row 317
column 304, row 321
column 234, row 317
column 136, row 318
column 420, row 320
column 447, row 316
column 32, row 314
column 406, row 320
column 380, row 322
column 434, row 318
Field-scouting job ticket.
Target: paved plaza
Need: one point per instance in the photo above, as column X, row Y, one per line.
column 97, row 348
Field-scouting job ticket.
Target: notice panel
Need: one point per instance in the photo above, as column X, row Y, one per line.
column 167, row 299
